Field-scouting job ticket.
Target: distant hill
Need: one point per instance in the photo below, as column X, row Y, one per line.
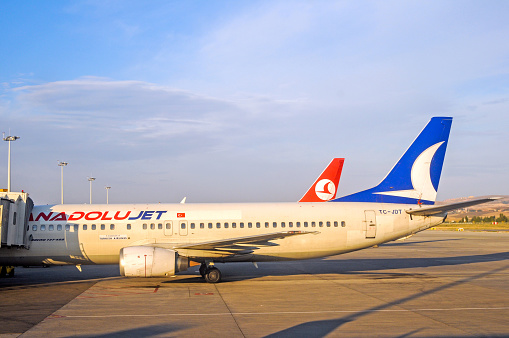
column 494, row 208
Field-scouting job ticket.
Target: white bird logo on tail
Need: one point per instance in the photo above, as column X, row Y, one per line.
column 325, row 189
column 423, row 188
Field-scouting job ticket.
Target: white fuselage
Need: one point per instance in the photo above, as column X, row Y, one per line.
column 94, row 234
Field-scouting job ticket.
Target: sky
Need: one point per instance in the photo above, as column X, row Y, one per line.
column 247, row 101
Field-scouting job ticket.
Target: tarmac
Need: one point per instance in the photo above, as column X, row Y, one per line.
column 436, row 283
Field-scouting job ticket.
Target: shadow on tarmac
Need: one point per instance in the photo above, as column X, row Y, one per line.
column 372, row 266
column 35, row 276
column 321, row 328
column 27, row 281
column 35, row 293
column 39, row 277
column 401, row 242
column 147, row 331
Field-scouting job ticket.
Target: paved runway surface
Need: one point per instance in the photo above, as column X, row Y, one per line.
column 453, row 284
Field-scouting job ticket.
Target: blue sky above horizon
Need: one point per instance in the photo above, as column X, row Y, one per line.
column 248, row 100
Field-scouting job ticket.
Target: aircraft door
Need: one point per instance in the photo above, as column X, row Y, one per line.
column 370, row 223
column 182, row 228
column 168, row 228
column 72, row 243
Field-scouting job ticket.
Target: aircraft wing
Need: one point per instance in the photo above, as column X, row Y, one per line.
column 241, row 243
column 438, row 209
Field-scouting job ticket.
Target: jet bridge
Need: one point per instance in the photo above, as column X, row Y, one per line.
column 15, row 210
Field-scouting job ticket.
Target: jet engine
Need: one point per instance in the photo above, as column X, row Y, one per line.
column 147, row 261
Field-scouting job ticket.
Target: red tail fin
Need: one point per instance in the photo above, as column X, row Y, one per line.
column 325, row 187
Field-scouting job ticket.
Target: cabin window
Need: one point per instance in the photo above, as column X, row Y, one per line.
column 75, row 227
column 274, row 224
column 226, row 225
column 305, row 224
column 234, row 225
column 313, row 224
column 84, row 227
column 193, row 225
column 168, row 226
column 51, row 227
column 103, row 227
column 144, row 226
column 320, row 224
column 241, row 224
column 128, row 226
column 328, row 224
column 266, row 224
column 202, row 225
column 249, row 224
column 67, row 227
column 283, row 224
column 112, row 226
column 93, row 226
column 152, row 226
column 218, row 225
column 160, row 226
column 290, row 224
column 297, row 224
column 257, row 224
column 182, row 225
column 34, row 227
column 335, row 223
column 59, row 227
column 343, row 224
column 43, row 227
column 210, row 225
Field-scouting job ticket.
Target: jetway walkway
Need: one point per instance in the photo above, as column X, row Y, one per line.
column 15, row 209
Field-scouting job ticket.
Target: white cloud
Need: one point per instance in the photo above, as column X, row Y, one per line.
column 114, row 106
column 125, row 129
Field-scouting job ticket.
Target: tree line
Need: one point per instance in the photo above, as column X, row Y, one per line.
column 486, row 219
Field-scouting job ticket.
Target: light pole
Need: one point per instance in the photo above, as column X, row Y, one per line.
column 91, row 179
column 62, row 165
column 9, row 139
column 107, row 194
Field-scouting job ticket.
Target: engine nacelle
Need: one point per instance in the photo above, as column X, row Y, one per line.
column 146, row 261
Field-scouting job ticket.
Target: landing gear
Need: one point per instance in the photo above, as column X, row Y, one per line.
column 6, row 271
column 213, row 275
column 203, row 269
column 210, row 273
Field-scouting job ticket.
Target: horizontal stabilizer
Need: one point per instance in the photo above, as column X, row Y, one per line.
column 439, row 209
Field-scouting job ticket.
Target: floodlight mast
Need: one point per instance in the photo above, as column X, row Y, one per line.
column 62, row 165
column 107, row 194
column 91, row 179
column 9, row 139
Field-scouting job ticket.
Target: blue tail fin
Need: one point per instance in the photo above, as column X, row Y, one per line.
column 414, row 179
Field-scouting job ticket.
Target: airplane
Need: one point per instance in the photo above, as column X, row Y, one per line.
column 160, row 240
column 322, row 190
column 325, row 187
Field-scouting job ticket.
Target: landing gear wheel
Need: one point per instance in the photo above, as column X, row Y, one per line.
column 213, row 275
column 203, row 269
